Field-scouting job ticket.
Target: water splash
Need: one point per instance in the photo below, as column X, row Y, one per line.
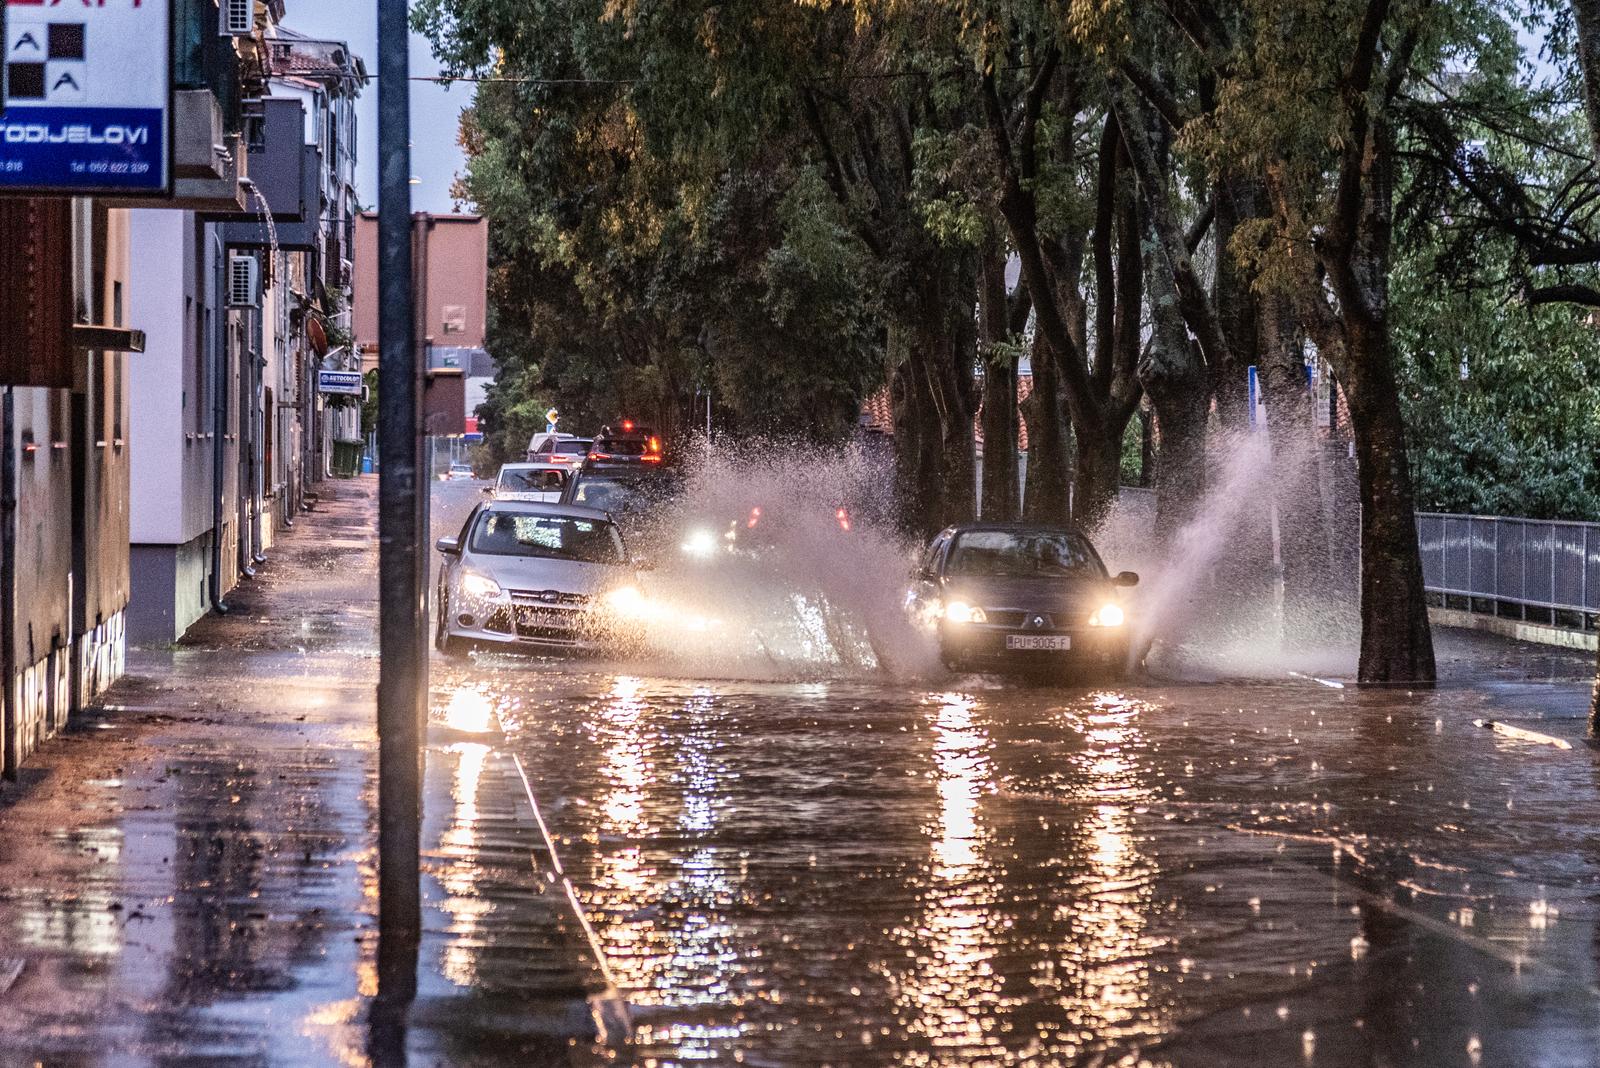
column 1211, row 601
column 782, row 560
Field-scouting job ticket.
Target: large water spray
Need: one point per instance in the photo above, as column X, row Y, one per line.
column 783, row 560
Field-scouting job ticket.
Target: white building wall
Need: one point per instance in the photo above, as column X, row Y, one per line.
column 169, row 422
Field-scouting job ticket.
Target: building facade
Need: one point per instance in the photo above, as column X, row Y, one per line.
column 247, row 288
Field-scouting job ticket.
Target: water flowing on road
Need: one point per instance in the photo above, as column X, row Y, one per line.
column 856, row 868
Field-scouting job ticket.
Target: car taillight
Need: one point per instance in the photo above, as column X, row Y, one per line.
column 655, row 444
column 755, row 517
column 843, row 516
column 627, row 425
column 651, row 459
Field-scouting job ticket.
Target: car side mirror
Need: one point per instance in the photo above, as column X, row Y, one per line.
column 1126, row 578
column 449, row 546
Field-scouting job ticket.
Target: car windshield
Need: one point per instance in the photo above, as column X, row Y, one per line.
column 530, row 480
column 1021, row 554
column 592, row 541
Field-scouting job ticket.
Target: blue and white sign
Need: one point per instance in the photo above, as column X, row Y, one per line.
column 88, row 97
column 347, row 383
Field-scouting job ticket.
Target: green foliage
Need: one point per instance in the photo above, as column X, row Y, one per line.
column 1520, row 435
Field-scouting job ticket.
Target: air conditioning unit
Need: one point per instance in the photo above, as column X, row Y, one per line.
column 237, row 18
column 244, row 282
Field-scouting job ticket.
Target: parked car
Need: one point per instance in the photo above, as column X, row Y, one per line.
column 565, row 449
column 1022, row 598
column 459, row 473
column 538, row 577
column 530, row 482
column 625, row 443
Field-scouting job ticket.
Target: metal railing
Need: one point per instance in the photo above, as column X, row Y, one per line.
column 1517, row 564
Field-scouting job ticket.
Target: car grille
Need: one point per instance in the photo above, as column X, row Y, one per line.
column 550, row 597
column 559, row 625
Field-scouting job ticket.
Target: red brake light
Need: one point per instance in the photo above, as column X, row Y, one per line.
column 843, row 516
column 755, row 517
column 627, row 425
column 655, row 444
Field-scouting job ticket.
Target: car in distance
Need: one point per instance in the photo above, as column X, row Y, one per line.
column 1022, row 598
column 458, row 472
column 625, row 443
column 530, row 482
column 565, row 449
column 539, row 578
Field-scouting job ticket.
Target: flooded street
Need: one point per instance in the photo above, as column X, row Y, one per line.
column 956, row 870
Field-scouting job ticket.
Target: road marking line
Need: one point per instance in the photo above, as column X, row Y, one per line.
column 1522, row 734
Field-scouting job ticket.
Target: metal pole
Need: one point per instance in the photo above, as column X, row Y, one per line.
column 402, row 604
column 10, row 744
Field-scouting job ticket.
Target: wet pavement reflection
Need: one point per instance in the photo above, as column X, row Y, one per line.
column 968, row 873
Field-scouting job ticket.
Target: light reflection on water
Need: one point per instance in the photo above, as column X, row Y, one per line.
column 833, row 873
column 1110, row 948
column 459, row 878
column 951, row 993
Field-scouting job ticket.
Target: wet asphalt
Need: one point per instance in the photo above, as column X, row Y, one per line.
column 836, row 868
column 956, row 870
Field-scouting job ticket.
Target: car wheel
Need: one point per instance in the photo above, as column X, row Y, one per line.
column 442, row 609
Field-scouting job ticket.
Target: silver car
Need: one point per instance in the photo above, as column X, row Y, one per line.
column 529, row 482
column 539, row 578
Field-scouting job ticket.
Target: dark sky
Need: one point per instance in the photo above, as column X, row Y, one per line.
column 435, row 156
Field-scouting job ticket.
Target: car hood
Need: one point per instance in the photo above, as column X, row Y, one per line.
column 1029, row 594
column 543, row 573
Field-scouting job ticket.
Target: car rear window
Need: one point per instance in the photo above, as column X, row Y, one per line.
column 572, row 446
column 531, row 480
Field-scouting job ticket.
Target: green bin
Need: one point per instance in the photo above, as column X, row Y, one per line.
column 347, row 458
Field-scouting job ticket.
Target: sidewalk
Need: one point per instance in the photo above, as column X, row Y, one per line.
column 188, row 875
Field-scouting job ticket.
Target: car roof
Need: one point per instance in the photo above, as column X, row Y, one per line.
column 563, row 511
column 1014, row 528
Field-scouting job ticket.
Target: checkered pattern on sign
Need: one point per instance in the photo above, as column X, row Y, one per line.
column 47, row 62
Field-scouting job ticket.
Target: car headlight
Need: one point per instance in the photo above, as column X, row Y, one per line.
column 1107, row 615
column 962, row 612
column 627, row 601
column 700, row 543
column 481, row 586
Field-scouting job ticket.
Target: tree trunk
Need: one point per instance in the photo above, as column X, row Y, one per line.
column 1001, row 491
column 935, row 350
column 1000, row 482
column 1396, row 640
column 1291, row 425
column 1181, row 396
column 1048, row 470
column 1098, row 476
column 1181, row 408
column 1237, row 200
column 1586, row 20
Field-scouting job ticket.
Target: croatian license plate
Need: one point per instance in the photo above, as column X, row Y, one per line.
column 1038, row 641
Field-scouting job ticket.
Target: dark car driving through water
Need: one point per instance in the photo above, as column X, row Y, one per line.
column 1022, row 598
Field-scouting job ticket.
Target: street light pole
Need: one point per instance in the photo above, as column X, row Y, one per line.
column 402, row 593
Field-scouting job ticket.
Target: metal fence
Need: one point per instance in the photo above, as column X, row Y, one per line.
column 1517, row 564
